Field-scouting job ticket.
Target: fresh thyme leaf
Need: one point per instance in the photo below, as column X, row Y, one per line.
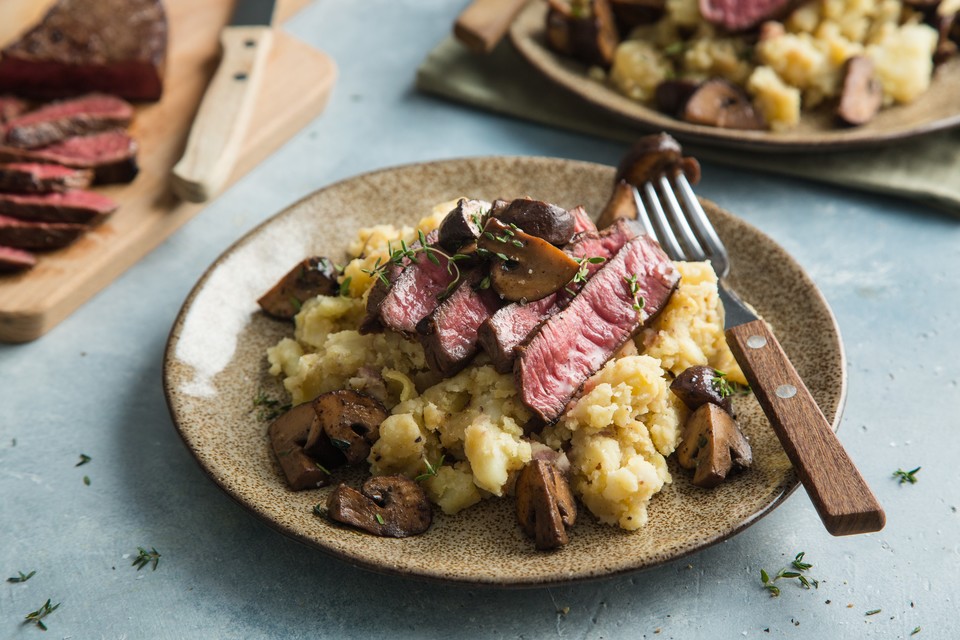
column 799, row 563
column 488, row 235
column 721, row 385
column 915, row 631
column 322, row 468
column 431, row 469
column 86, row 480
column 269, row 408
column 295, row 303
column 517, row 244
column 596, row 260
column 906, row 476
column 485, row 283
column 319, row 510
column 764, row 576
column 786, row 573
column 21, row 577
column 379, row 518
column 145, row 557
column 345, row 287
column 503, row 257
column 433, row 258
column 343, row 445
column 873, row 612
column 84, row 459
column 37, row 616
column 638, row 302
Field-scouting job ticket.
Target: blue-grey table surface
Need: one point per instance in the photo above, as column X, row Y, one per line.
column 890, row 270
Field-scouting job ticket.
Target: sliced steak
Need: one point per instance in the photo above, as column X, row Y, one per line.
column 508, row 328
column 449, row 334
column 11, row 107
column 378, row 292
column 12, row 260
column 38, row 236
column 61, row 120
column 85, row 207
column 112, row 155
column 581, row 221
column 113, row 46
column 576, row 342
column 35, row 177
column 740, row 15
column 415, row 293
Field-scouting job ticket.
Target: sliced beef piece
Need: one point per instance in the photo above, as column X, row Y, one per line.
column 113, row 46
column 85, row 207
column 576, row 342
column 68, row 118
column 112, row 155
column 508, row 328
column 449, row 334
column 416, row 292
column 11, row 107
column 13, row 260
column 740, row 15
column 378, row 293
column 38, row 236
column 36, row 177
column 581, row 221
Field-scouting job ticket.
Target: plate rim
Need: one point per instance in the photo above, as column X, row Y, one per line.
column 440, row 576
column 839, row 139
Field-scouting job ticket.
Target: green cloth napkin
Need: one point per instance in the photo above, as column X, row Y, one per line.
column 926, row 169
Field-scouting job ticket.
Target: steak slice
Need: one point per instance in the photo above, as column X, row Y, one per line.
column 581, row 221
column 61, row 120
column 508, row 328
column 378, row 292
column 740, row 15
column 35, row 177
column 576, row 342
column 449, row 334
column 12, row 260
column 113, row 46
column 38, row 236
column 78, row 206
column 11, row 107
column 112, row 155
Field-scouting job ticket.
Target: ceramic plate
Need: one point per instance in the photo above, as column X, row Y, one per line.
column 936, row 109
column 215, row 364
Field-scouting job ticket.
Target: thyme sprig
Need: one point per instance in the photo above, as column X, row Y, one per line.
column 21, row 577
column 727, row 388
column 145, row 557
column 269, row 408
column 37, row 616
column 397, row 257
column 84, row 459
column 798, row 567
column 638, row 302
column 906, row 476
column 583, row 273
column 432, row 470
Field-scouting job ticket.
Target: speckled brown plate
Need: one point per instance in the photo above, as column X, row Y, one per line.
column 215, row 364
column 936, row 109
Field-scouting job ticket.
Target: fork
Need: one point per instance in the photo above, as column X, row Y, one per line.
column 838, row 491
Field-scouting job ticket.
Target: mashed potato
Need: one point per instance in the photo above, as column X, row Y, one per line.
column 796, row 64
column 463, row 436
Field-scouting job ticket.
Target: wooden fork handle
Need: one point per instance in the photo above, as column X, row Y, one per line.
column 838, row 491
column 482, row 24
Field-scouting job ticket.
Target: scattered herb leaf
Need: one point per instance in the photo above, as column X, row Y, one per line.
column 873, row 612
column 638, row 302
column 379, row 518
column 319, row 510
column 269, row 408
column 786, row 573
column 86, row 480
column 906, row 476
column 145, row 557
column 345, row 287
column 21, row 577
column 84, row 459
column 323, row 468
column 37, row 616
column 915, row 631
column 431, row 469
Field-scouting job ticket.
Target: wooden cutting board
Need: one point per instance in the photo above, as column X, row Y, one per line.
column 294, row 91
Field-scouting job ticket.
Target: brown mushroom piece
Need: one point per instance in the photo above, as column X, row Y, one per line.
column 862, row 94
column 542, row 219
column 632, row 13
column 524, row 267
column 713, row 446
column 718, row 103
column 671, row 96
column 545, row 505
column 391, row 506
column 583, row 29
column 696, row 386
column 652, row 156
column 947, row 27
column 349, row 421
column 287, row 436
column 620, row 206
column 312, row 277
column 462, row 225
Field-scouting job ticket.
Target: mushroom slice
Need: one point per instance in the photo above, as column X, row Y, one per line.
column 620, row 206
column 699, row 385
column 392, row 506
column 713, row 445
column 525, row 267
column 312, row 277
column 347, row 420
column 671, row 95
column 862, row 94
column 718, row 103
column 542, row 219
column 583, row 29
column 462, row 225
column 653, row 156
column 287, row 435
column 545, row 505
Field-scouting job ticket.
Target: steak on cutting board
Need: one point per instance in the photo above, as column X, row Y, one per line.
column 113, row 46
column 61, row 120
column 112, row 155
column 85, row 207
column 36, row 177
column 38, row 236
column 576, row 342
column 12, row 260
